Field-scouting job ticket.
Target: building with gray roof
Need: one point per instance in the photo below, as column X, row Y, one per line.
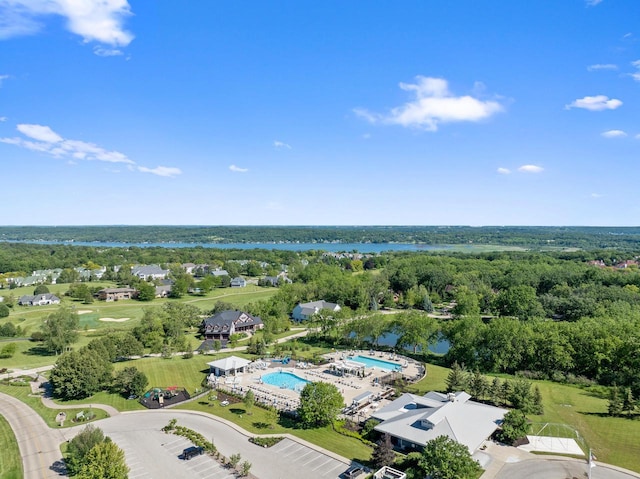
column 304, row 311
column 413, row 420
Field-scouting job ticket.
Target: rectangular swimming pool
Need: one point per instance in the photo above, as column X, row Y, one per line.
column 285, row 380
column 376, row 363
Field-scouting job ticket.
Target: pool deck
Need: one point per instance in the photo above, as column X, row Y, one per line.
column 349, row 385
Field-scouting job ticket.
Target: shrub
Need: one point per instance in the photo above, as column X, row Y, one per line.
column 266, row 441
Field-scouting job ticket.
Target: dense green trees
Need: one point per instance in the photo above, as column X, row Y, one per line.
column 41, row 289
column 105, row 460
column 79, row 374
column 130, row 381
column 444, row 458
column 515, row 426
column 60, row 330
column 78, row 448
column 320, row 404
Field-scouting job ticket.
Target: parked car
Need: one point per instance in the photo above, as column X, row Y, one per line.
column 353, row 472
column 192, row 451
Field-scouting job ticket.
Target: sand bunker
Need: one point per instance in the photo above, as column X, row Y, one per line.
column 114, row 320
column 84, row 311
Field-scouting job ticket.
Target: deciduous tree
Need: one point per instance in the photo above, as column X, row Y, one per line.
column 444, row 458
column 104, row 461
column 60, row 330
column 320, row 404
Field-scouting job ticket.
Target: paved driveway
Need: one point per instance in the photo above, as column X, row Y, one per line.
column 557, row 469
column 150, row 453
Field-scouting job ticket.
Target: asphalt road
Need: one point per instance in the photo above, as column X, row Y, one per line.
column 557, row 469
column 39, row 445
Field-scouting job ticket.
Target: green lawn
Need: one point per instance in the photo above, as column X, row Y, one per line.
column 613, row 440
column 10, row 462
column 23, row 393
column 256, row 422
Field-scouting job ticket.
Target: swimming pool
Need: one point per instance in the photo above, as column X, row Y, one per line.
column 376, row 363
column 285, row 380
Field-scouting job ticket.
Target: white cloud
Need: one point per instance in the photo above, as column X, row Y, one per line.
column 40, row 133
column 3, row 118
column 637, row 137
column 166, row 171
column 592, row 3
column 602, row 66
column 595, row 103
column 366, row 136
column 106, row 52
column 237, row 169
column 43, row 139
column 281, row 144
column 433, row 104
column 101, row 21
column 531, row 169
column 596, row 195
column 2, row 78
column 503, row 171
column 613, row 134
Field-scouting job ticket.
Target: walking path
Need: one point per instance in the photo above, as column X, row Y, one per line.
column 39, row 445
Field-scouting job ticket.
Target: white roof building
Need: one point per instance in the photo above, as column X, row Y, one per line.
column 413, row 420
column 227, row 366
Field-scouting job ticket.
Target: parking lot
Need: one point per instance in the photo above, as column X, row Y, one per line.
column 150, row 453
column 304, row 458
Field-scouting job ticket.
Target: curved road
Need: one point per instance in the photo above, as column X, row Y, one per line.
column 39, row 445
column 558, row 469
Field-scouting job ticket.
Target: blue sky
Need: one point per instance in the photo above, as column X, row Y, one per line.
column 480, row 112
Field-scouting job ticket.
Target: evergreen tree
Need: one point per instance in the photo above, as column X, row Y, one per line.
column 615, row 402
column 505, row 391
column 457, row 378
column 383, row 454
column 628, row 403
column 537, row 407
column 478, row 385
column 496, row 391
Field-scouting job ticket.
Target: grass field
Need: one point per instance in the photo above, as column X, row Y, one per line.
column 10, row 462
column 49, row 415
column 30, row 355
column 613, row 440
column 258, row 420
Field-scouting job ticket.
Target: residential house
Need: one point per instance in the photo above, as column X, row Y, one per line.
column 219, row 272
column 188, row 267
column 413, row 420
column 224, row 324
column 147, row 272
column 276, row 280
column 238, row 282
column 117, row 294
column 38, row 299
column 163, row 291
column 304, row 311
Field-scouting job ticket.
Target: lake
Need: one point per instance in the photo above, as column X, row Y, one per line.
column 330, row 247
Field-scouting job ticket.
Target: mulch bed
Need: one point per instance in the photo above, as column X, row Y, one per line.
column 181, row 395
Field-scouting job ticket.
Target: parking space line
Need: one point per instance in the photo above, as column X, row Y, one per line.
column 301, row 457
column 329, row 460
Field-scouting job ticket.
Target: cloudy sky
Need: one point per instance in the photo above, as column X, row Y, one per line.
column 480, row 112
